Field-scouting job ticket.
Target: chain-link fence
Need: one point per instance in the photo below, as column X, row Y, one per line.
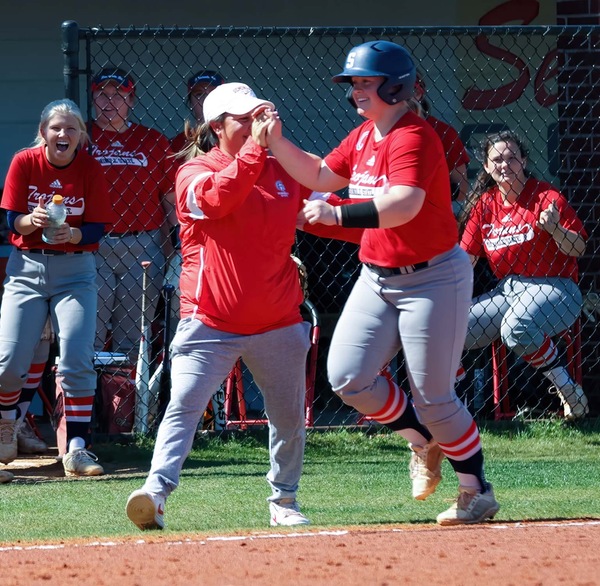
column 538, row 81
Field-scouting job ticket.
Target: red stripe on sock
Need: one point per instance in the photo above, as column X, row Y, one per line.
column 394, row 406
column 472, row 429
column 545, row 355
column 10, row 399
column 78, row 408
column 465, row 446
column 34, row 376
column 465, row 452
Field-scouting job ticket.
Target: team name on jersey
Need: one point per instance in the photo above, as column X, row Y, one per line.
column 75, row 205
column 366, row 185
column 113, row 156
column 499, row 237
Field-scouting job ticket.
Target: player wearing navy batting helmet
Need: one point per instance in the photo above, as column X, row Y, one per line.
column 414, row 290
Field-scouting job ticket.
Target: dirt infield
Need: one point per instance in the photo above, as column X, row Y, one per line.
column 519, row 554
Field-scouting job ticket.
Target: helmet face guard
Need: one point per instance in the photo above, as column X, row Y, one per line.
column 381, row 59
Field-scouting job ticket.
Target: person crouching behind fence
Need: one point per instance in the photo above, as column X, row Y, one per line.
column 57, row 278
column 531, row 238
column 240, row 296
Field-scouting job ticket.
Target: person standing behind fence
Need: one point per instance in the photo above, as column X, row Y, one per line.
column 59, row 278
column 198, row 87
column 140, row 173
column 414, row 289
column 532, row 238
column 240, row 296
column 457, row 157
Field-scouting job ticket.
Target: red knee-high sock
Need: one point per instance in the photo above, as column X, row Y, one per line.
column 398, row 412
column 8, row 404
column 543, row 357
column 466, row 455
column 78, row 414
column 32, row 384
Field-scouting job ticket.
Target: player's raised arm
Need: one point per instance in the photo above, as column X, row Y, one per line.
column 304, row 167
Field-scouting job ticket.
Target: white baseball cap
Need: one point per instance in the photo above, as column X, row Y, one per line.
column 231, row 98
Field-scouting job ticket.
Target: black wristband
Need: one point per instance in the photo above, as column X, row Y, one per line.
column 360, row 215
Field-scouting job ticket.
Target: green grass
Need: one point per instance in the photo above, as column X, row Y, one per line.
column 540, row 470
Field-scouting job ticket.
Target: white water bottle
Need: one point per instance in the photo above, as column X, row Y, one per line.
column 57, row 214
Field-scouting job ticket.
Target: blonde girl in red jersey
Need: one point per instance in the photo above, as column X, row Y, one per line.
column 415, row 286
column 532, row 238
column 57, row 279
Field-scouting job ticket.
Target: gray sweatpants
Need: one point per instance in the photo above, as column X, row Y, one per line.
column 65, row 287
column 423, row 313
column 522, row 311
column 201, row 359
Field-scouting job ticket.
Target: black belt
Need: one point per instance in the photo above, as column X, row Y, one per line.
column 391, row 271
column 124, row 234
column 49, row 251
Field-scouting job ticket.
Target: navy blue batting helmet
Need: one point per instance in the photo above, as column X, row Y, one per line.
column 381, row 58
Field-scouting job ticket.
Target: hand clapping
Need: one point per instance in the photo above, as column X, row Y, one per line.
column 549, row 218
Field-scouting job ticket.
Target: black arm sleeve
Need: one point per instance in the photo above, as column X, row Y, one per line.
column 360, row 215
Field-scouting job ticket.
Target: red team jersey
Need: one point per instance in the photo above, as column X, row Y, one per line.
column 508, row 236
column 237, row 231
column 82, row 184
column 178, row 142
column 410, row 154
column 455, row 151
column 140, row 172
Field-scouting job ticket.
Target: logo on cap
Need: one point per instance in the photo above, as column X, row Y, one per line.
column 211, row 78
column 120, row 77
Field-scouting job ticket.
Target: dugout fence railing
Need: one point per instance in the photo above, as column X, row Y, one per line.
column 541, row 81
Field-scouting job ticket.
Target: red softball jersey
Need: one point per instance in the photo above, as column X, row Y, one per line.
column 454, row 149
column 508, row 235
column 82, row 184
column 178, row 142
column 140, row 172
column 410, row 154
column 238, row 223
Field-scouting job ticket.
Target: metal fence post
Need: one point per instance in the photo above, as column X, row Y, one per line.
column 70, row 49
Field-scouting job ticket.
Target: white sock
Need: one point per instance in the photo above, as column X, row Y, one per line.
column 558, row 376
column 413, row 437
column 469, row 481
column 77, row 443
column 23, row 408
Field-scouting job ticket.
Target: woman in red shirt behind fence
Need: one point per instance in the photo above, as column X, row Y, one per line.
column 531, row 238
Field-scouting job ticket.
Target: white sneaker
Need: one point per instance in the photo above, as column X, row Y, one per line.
column 6, row 476
column 574, row 401
column 286, row 512
column 8, row 440
column 425, row 469
column 470, row 507
column 27, row 441
column 81, row 463
column 146, row 510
